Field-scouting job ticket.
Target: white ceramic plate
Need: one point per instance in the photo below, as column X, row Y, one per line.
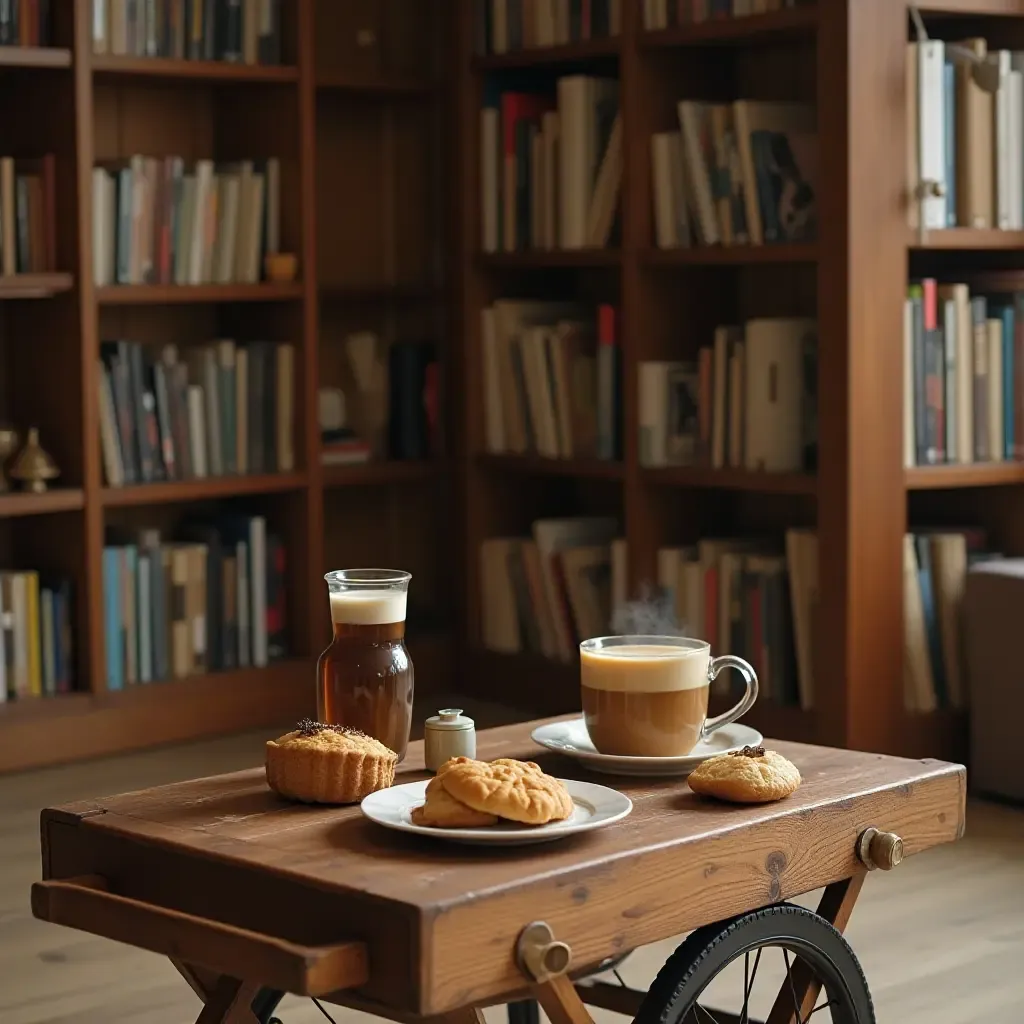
column 595, row 806
column 571, row 738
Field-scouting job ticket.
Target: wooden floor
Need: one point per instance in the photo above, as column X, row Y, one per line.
column 941, row 939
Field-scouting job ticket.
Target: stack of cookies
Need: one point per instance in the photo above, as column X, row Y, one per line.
column 474, row 794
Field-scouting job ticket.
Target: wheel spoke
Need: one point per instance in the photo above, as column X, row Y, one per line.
column 707, row 1012
column 748, row 984
column 823, row 1006
column 792, row 987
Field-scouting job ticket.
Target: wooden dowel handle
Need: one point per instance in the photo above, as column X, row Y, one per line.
column 88, row 904
column 878, row 849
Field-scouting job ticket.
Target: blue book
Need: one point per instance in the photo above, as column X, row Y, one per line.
column 1007, row 317
column 113, row 633
column 931, row 618
column 949, row 109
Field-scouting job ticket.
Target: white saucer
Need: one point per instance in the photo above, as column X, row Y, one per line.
column 571, row 738
column 595, row 806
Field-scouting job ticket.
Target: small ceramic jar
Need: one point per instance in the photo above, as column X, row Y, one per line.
column 448, row 734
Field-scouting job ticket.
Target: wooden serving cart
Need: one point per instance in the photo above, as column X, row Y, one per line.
column 252, row 897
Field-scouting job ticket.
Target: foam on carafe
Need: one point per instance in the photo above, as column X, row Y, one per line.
column 367, row 608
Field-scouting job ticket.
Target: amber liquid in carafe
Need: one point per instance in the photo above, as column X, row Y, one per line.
column 365, row 677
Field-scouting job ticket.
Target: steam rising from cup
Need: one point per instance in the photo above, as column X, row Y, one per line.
column 652, row 614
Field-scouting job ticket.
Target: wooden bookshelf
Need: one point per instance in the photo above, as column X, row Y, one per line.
column 844, row 57
column 357, row 223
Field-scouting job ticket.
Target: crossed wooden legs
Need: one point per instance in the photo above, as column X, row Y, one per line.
column 226, row 1000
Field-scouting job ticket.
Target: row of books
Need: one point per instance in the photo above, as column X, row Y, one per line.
column 667, row 13
column 753, row 599
column 547, row 592
column 743, row 173
column 963, row 358
column 217, row 410
column 26, row 23
column 505, row 26
column 241, row 31
column 37, row 657
column 211, row 600
column 748, row 401
column 28, row 220
column 935, row 567
column 551, row 166
column 157, row 222
column 965, row 133
column 552, row 373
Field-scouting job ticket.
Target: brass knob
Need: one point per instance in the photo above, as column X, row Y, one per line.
column 540, row 955
column 879, row 849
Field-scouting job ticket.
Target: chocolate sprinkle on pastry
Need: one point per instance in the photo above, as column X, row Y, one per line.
column 749, row 752
column 307, row 727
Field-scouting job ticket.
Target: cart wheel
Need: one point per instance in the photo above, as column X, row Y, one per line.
column 733, row 965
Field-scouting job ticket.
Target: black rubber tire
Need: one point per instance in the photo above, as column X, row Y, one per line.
column 705, row 952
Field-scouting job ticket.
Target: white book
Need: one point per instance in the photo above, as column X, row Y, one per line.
column 774, row 389
column 200, row 212
column 1015, row 96
column 490, row 179
column 100, row 26
column 1004, row 161
column 102, row 229
column 653, row 398
column 197, row 430
column 932, row 129
column 692, row 116
column 962, row 419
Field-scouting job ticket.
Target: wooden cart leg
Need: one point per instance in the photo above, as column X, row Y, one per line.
column 226, row 1000
column 802, row 988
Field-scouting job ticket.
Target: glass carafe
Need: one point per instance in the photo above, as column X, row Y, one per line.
column 365, row 677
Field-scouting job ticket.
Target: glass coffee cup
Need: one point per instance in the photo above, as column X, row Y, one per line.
column 365, row 677
column 647, row 696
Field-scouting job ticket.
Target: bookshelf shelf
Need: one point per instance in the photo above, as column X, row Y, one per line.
column 34, row 57
column 58, row 499
column 738, row 31
column 733, row 480
column 196, row 70
column 342, row 83
column 375, row 293
column 177, row 491
column 992, row 474
column 545, row 259
column 1007, row 8
column 968, row 238
column 592, row 469
column 68, row 727
column 175, row 294
column 552, row 56
column 737, row 255
column 391, row 472
column 35, row 286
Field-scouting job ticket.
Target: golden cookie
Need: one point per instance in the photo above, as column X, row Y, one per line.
column 516, row 790
column 328, row 764
column 442, row 810
column 752, row 775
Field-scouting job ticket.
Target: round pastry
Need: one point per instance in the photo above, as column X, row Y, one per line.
column 752, row 775
column 328, row 764
column 515, row 790
column 442, row 810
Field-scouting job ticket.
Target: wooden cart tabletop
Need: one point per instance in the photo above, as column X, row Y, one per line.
column 439, row 921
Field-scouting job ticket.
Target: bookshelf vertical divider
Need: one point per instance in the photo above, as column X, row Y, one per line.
column 91, row 610
column 313, row 606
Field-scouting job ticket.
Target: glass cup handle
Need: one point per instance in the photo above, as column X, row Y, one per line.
column 746, row 701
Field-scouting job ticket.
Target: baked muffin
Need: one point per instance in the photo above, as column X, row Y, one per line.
column 328, row 764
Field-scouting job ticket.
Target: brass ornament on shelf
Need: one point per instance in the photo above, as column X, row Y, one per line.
column 9, row 441
column 34, row 465
column 281, row 267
